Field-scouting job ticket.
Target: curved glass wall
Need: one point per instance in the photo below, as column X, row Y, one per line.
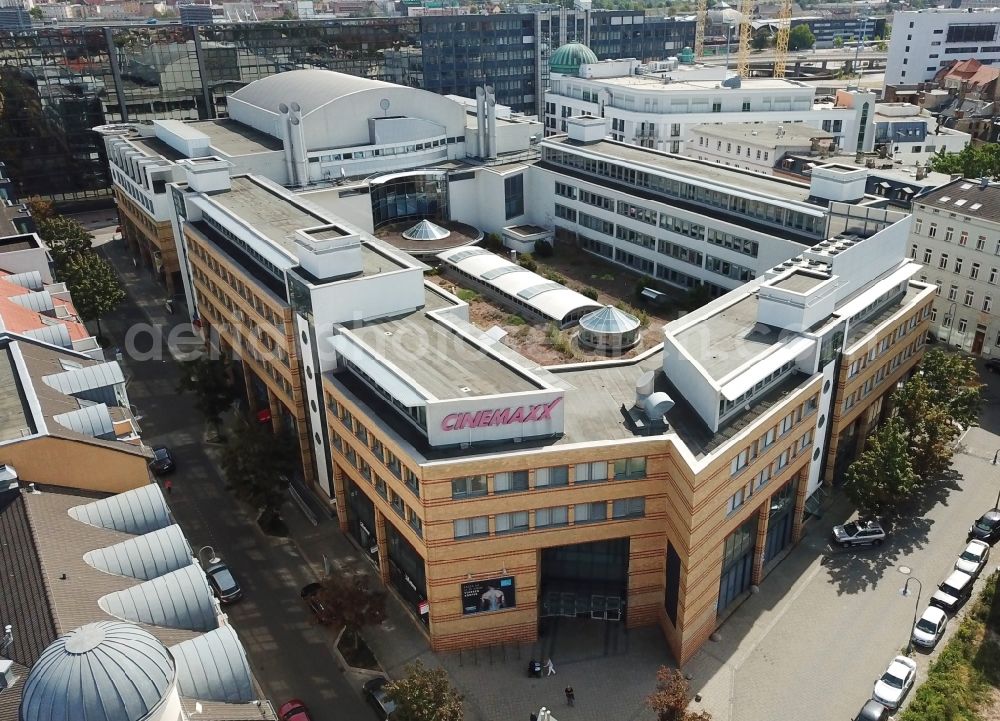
column 410, row 196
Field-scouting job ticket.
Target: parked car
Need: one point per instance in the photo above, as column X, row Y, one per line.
column 309, row 595
column 896, row 682
column 872, row 711
column 293, row 710
column 223, row 582
column 929, row 629
column 376, row 696
column 987, row 527
column 163, row 461
column 973, row 558
column 859, row 533
column 953, row 591
column 993, row 365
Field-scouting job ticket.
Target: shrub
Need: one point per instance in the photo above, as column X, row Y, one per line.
column 554, row 277
column 513, row 319
column 543, row 249
column 589, row 292
column 467, row 295
column 494, row 242
column 527, row 261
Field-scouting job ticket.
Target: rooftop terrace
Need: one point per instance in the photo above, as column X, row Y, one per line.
column 233, row 138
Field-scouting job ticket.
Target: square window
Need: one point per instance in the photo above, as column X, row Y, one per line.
column 509, row 481
column 552, row 476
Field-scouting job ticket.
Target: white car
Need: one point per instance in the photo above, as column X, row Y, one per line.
column 973, row 558
column 929, row 629
column 891, row 689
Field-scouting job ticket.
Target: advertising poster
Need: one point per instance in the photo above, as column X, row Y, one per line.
column 493, row 594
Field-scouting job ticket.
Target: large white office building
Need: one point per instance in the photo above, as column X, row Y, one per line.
column 924, row 41
column 659, row 110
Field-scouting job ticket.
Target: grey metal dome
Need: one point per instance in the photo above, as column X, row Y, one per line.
column 105, row 671
column 609, row 320
column 140, row 510
column 213, row 667
column 145, row 557
column 179, row 599
column 426, row 230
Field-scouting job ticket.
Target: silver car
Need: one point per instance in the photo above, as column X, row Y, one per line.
column 929, row 629
column 973, row 558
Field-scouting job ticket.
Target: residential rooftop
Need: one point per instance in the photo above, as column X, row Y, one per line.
column 772, row 135
column 972, row 198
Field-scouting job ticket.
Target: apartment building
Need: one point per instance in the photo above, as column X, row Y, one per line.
column 956, row 235
column 924, row 41
column 912, row 135
column 657, row 109
column 752, row 146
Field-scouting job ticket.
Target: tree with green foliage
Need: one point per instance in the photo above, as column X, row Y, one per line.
column 671, row 698
column 64, row 237
column 209, row 379
column 425, row 694
column 801, row 38
column 761, row 39
column 882, row 477
column 36, row 13
column 954, row 384
column 93, row 284
column 349, row 602
column 880, row 44
column 930, row 429
column 973, row 161
column 257, row 464
column 40, row 208
column 838, row 42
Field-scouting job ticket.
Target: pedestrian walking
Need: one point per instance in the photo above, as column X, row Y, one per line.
column 550, row 668
column 168, row 486
column 570, row 696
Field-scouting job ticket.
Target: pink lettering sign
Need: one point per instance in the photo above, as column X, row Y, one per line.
column 499, row 416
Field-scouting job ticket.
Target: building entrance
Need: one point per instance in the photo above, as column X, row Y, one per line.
column 779, row 521
column 589, row 580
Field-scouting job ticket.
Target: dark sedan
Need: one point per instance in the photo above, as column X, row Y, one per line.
column 987, row 528
column 223, row 582
column 377, row 697
column 163, row 461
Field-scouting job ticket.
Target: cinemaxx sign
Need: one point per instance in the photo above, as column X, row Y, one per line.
column 531, row 413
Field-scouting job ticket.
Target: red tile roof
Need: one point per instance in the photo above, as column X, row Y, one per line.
column 18, row 319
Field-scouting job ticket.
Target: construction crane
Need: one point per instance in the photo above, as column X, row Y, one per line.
column 781, row 40
column 699, row 28
column 746, row 29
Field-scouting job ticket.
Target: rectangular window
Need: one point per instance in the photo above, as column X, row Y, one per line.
column 762, row 478
column 555, row 516
column 807, row 439
column 471, row 527
column 787, row 422
column 735, row 501
column 415, row 523
column 397, row 504
column 412, row 482
column 918, row 225
column 953, row 292
column 381, row 487
column 513, row 192
column 949, row 233
column 511, row 522
column 468, row 487
column 591, row 472
column 590, row 512
column 970, row 297
column 974, row 271
column 928, row 254
column 510, row 481
column 932, row 230
column 554, row 476
column 628, row 508
column 963, row 238
column 958, row 265
column 630, row 468
column 962, row 325
column 781, row 462
column 377, row 450
column 740, row 462
column 769, row 437
column 994, row 272
column 987, row 304
column 943, row 262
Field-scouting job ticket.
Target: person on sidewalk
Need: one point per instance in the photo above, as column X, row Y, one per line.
column 570, row 696
column 550, row 668
column 168, row 486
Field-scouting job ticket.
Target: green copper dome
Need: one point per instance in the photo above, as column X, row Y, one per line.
column 568, row 58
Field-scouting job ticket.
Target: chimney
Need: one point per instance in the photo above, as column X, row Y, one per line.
column 481, row 121
column 491, row 117
column 300, row 156
column 984, row 182
column 921, row 172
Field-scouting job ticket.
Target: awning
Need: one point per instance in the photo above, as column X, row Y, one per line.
column 884, row 184
column 744, row 381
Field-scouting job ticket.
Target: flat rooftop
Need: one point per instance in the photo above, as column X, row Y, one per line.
column 696, row 169
column 233, row 138
column 15, row 418
column 859, row 330
column 655, row 82
column 440, row 360
column 769, row 134
column 277, row 217
column 799, row 282
column 726, row 340
column 154, row 147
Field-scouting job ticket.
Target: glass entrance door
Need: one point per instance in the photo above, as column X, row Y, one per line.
column 737, row 563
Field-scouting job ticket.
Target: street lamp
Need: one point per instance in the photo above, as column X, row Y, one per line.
column 905, row 591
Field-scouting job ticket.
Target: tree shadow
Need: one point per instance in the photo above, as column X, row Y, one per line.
column 858, row 569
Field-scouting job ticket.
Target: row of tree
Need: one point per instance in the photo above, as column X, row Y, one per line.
column 89, row 278
column 913, row 448
column 973, row 161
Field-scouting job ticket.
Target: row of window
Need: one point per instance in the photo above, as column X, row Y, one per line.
column 949, row 233
column 882, row 373
column 382, row 454
column 772, row 470
column 882, row 346
column 703, row 141
column 551, row 517
column 770, row 437
column 549, row 477
column 395, row 501
column 726, row 406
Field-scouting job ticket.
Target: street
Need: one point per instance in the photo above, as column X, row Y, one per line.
column 291, row 656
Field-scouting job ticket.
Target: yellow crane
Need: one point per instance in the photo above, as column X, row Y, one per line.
column 746, row 29
column 781, row 40
column 699, row 28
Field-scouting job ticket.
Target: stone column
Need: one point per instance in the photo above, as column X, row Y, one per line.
column 800, row 504
column 383, row 546
column 758, row 552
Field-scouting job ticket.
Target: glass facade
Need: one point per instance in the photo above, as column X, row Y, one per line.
column 585, row 579
column 58, row 83
column 410, row 197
